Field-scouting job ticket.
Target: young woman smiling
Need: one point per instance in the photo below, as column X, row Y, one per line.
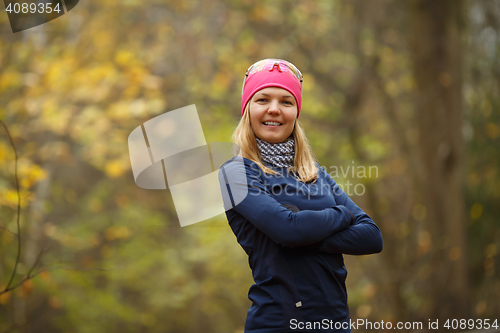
column 287, row 213
column 273, row 115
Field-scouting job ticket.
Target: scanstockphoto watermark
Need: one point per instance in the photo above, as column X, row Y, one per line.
column 363, row 324
column 354, row 173
column 355, row 176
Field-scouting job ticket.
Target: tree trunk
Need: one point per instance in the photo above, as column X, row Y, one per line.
column 436, row 28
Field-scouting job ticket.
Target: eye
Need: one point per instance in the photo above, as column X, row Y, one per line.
column 261, row 99
column 290, row 103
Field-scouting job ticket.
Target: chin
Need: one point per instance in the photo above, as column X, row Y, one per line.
column 273, row 137
column 274, row 140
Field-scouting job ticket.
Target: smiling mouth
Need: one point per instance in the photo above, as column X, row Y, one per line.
column 271, row 123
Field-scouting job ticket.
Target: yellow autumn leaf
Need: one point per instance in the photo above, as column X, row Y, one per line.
column 6, row 152
column 115, row 168
column 124, row 57
column 115, row 232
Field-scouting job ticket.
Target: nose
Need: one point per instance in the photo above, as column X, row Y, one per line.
column 274, row 108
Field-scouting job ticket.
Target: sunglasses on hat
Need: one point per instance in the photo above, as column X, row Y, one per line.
column 269, row 64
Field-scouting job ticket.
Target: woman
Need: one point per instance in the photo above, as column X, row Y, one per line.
column 287, row 213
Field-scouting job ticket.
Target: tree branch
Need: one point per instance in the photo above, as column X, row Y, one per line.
column 8, row 231
column 18, row 208
column 30, row 276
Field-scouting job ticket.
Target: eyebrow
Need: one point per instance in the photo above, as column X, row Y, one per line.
column 281, row 96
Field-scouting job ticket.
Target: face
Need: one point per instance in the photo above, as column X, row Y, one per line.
column 273, row 112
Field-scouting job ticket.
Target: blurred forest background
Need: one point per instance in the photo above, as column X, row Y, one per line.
column 411, row 87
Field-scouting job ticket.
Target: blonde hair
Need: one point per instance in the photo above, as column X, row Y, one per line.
column 304, row 160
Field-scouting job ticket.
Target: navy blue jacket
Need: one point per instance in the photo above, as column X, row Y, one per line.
column 295, row 257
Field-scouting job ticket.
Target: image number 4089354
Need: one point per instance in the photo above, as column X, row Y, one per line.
column 25, row 14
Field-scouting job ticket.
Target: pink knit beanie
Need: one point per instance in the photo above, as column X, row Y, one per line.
column 271, row 78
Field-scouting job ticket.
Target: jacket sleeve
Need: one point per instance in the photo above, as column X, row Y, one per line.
column 244, row 191
column 362, row 237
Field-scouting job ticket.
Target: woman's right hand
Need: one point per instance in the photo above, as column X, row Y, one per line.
column 295, row 209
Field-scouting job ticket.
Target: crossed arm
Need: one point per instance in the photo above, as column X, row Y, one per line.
column 361, row 237
column 328, row 230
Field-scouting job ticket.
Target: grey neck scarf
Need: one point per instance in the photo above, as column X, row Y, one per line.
column 278, row 154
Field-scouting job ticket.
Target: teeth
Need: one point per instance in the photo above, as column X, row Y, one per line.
column 271, row 123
